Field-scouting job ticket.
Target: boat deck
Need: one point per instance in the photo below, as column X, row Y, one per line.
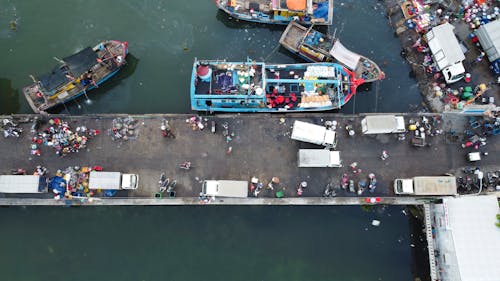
column 261, row 147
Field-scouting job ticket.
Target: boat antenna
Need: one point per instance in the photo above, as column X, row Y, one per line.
column 59, row 60
column 33, row 78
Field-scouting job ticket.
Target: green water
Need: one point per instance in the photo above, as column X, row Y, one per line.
column 164, row 38
column 204, row 243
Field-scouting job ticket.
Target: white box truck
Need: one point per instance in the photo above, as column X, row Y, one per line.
column 22, row 184
column 307, row 132
column 430, row 186
column 311, row 158
column 489, row 38
column 383, row 124
column 225, row 188
column 112, row 180
column 446, row 52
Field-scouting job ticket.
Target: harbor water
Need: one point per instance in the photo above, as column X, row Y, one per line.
column 164, row 38
column 195, row 243
column 206, row 243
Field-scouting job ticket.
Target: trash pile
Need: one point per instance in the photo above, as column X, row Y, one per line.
column 60, row 136
column 423, row 129
column 11, row 128
column 124, row 129
column 73, row 183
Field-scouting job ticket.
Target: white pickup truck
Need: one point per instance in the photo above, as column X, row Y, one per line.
column 113, row 180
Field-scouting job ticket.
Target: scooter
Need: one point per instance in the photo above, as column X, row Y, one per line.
column 213, row 127
column 171, row 189
column 225, row 125
column 329, row 191
column 373, row 182
column 361, row 186
column 166, row 130
column 344, row 181
column 351, row 186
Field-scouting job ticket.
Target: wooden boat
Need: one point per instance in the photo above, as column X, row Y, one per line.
column 319, row 12
column 76, row 75
column 315, row 46
column 258, row 87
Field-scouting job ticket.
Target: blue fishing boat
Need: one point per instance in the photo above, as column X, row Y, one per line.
column 76, row 75
column 258, row 87
column 314, row 46
column 319, row 12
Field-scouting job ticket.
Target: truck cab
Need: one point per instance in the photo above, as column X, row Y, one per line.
column 454, row 73
column 403, row 186
column 130, row 181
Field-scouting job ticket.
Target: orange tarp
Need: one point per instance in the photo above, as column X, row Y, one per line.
column 296, row 5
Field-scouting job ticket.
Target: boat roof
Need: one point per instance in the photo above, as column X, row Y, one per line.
column 344, row 55
column 50, row 81
column 81, row 62
column 77, row 64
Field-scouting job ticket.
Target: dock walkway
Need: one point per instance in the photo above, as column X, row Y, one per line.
column 260, row 147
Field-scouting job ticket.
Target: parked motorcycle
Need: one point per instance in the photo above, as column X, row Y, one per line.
column 213, row 126
column 351, row 186
column 373, row 182
column 344, row 181
column 361, row 186
column 329, row 191
column 166, row 129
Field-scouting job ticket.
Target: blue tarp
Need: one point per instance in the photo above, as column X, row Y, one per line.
column 55, row 183
column 321, row 11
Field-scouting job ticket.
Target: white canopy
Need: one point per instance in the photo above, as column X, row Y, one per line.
column 344, row 55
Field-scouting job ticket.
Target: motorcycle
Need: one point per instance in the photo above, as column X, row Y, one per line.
column 350, row 130
column 329, row 191
column 351, row 186
column 373, row 182
column 361, row 186
column 171, row 188
column 344, row 181
column 213, row 127
column 163, row 182
column 186, row 165
column 166, row 130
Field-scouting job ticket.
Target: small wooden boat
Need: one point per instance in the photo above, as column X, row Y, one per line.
column 76, row 75
column 258, row 87
column 315, row 46
column 319, row 12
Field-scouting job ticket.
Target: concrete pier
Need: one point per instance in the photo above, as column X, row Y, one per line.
column 261, row 147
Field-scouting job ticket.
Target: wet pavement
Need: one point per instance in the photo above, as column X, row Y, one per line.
column 260, row 147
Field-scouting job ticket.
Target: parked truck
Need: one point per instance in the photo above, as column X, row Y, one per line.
column 430, row 186
column 488, row 36
column 22, row 184
column 112, row 180
column 224, row 188
column 309, row 158
column 446, row 52
column 316, row 134
column 383, row 124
